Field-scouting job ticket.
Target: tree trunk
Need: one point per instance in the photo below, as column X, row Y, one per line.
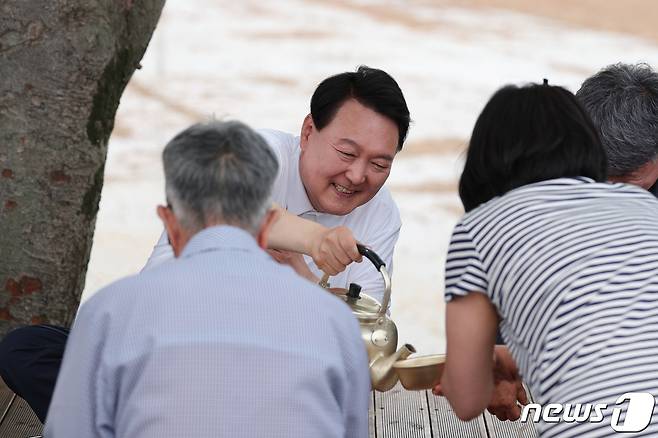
column 63, row 67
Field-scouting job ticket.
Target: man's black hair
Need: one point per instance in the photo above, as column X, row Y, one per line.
column 371, row 87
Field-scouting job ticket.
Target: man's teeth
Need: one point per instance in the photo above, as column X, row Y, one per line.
column 343, row 189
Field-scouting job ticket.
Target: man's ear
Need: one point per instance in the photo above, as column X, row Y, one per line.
column 263, row 235
column 173, row 228
column 307, row 129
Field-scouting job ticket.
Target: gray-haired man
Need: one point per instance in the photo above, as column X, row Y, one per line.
column 622, row 100
column 223, row 341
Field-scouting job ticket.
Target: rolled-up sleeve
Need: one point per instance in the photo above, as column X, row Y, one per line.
column 465, row 272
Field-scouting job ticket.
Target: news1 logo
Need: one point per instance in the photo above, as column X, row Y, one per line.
column 638, row 414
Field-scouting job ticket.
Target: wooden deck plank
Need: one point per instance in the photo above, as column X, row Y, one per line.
column 372, row 430
column 509, row 429
column 445, row 423
column 17, row 420
column 402, row 414
column 20, row 421
column 6, row 398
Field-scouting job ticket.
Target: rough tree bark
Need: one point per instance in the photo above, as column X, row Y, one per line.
column 63, row 67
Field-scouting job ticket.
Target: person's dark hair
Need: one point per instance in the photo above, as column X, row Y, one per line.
column 622, row 100
column 373, row 88
column 526, row 135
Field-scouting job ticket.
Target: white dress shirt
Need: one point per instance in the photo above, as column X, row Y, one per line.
column 375, row 223
column 221, row 342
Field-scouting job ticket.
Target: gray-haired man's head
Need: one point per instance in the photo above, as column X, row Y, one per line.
column 219, row 173
column 622, row 100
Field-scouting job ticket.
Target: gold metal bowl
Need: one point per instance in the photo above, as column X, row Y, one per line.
column 420, row 372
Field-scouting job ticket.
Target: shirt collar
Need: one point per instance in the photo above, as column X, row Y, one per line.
column 220, row 237
column 298, row 202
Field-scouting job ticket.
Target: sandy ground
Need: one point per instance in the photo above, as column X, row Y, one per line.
column 634, row 17
column 260, row 61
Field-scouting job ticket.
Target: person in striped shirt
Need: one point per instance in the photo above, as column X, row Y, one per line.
column 622, row 100
column 565, row 264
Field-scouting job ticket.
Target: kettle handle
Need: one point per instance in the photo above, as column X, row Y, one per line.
column 371, row 255
column 380, row 266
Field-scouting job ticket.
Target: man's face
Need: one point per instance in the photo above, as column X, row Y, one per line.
column 345, row 164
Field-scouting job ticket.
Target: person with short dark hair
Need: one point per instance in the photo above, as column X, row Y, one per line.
column 622, row 100
column 499, row 160
column 334, row 172
column 222, row 341
column 372, row 88
column 564, row 263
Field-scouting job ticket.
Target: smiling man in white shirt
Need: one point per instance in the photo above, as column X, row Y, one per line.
column 334, row 172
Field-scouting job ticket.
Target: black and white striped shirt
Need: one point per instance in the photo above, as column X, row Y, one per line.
column 571, row 265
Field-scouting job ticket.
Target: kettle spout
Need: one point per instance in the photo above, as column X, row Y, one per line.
column 382, row 373
column 403, row 352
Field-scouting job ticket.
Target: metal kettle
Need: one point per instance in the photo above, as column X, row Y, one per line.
column 378, row 331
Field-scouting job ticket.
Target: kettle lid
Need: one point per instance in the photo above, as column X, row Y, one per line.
column 361, row 304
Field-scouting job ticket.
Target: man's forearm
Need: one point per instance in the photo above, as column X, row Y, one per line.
column 292, row 233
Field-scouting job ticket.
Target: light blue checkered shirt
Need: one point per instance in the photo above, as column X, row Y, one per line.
column 221, row 342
